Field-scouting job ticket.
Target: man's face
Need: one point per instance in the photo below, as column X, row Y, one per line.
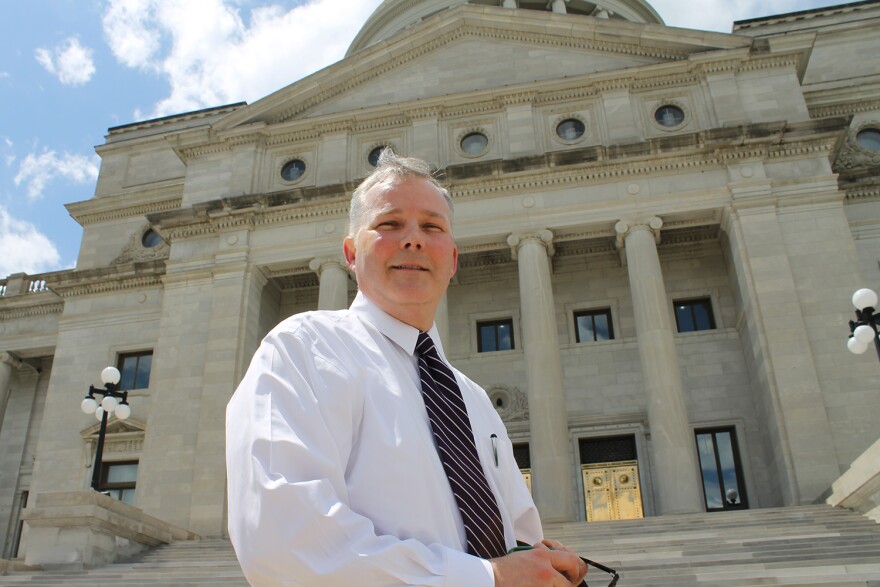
column 404, row 254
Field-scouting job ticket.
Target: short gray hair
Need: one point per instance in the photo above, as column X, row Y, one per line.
column 391, row 165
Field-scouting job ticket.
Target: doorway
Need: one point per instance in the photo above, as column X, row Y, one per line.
column 610, row 472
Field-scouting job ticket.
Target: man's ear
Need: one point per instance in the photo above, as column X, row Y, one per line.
column 454, row 262
column 348, row 249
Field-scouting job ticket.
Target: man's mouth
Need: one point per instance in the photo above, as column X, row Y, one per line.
column 409, row 267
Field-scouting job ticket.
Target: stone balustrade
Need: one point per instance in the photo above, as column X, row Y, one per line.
column 87, row 529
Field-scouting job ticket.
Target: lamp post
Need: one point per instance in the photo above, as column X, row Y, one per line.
column 109, row 404
column 864, row 329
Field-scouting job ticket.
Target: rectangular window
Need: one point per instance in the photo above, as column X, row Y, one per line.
column 721, row 469
column 118, row 480
column 694, row 315
column 495, row 335
column 593, row 325
column 135, row 369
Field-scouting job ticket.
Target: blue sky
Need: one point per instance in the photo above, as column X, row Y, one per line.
column 71, row 69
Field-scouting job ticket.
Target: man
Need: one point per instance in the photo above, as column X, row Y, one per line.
column 345, row 462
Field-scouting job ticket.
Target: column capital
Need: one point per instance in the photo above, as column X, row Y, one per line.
column 10, row 359
column 544, row 237
column 318, row 264
column 627, row 225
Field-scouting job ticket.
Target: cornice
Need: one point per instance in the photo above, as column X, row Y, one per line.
column 32, row 311
column 129, row 205
column 110, row 279
column 175, row 119
column 843, row 109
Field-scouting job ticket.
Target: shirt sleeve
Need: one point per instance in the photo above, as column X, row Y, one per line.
column 289, row 519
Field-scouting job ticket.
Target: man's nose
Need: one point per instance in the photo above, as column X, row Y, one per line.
column 412, row 238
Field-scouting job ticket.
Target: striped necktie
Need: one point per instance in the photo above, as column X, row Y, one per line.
column 458, row 453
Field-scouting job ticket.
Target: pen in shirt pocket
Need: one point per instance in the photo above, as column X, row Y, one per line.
column 494, row 439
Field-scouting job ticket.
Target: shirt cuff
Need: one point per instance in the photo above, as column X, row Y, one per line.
column 468, row 570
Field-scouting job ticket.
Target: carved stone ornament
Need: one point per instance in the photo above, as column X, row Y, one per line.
column 136, row 251
column 852, row 155
column 510, row 403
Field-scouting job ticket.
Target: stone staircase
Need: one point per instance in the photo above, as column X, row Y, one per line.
column 805, row 545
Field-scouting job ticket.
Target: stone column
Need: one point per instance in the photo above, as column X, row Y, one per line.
column 549, row 443
column 333, row 277
column 508, row 3
column 676, row 481
column 7, row 362
column 558, row 6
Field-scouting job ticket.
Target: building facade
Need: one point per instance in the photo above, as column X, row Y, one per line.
column 659, row 231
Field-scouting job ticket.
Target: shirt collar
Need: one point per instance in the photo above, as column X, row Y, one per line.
column 402, row 334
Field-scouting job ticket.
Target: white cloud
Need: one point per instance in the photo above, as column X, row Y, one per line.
column 4, row 74
column 212, row 56
column 69, row 61
column 35, row 171
column 131, row 32
column 24, row 247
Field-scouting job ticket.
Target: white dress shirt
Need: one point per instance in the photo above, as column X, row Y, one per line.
column 334, row 479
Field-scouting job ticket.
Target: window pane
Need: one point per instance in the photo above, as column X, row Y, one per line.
column 585, row 328
column 709, row 468
column 504, row 337
column 122, row 473
column 602, row 331
column 127, row 496
column 142, row 381
column 129, row 366
column 701, row 316
column 684, row 318
column 728, row 466
column 487, row 338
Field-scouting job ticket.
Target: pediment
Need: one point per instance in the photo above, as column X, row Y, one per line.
column 471, row 48
column 116, row 427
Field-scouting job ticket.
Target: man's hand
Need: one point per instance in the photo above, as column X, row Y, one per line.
column 539, row 567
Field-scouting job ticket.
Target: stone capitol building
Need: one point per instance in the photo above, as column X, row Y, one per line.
column 660, row 232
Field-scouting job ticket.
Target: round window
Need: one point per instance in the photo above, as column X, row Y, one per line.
column 474, row 143
column 669, row 115
column 869, row 139
column 570, row 129
column 293, row 170
column 151, row 239
column 373, row 157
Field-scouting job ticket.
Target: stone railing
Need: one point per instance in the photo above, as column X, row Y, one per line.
column 859, row 488
column 19, row 284
column 87, row 529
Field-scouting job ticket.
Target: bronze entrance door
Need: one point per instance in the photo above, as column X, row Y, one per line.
column 611, row 491
column 610, row 472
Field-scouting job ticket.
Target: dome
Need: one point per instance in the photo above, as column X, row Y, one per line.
column 392, row 16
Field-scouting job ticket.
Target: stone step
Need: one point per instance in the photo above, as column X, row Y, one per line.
column 805, row 545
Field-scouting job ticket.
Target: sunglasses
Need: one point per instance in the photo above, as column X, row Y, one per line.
column 614, row 575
